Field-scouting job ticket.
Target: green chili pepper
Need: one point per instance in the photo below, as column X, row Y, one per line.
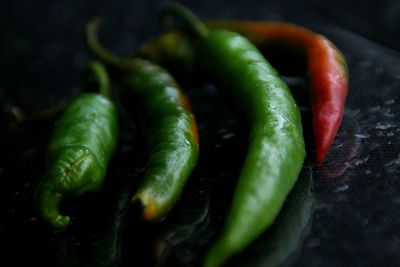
column 80, row 148
column 276, row 144
column 163, row 112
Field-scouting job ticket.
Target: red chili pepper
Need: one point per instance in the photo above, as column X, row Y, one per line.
column 326, row 66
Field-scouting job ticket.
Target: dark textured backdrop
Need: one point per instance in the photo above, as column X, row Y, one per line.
column 353, row 216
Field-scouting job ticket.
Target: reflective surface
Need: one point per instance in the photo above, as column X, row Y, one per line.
column 351, row 218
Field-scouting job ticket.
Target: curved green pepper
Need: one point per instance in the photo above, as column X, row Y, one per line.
column 80, row 148
column 276, row 144
column 163, row 112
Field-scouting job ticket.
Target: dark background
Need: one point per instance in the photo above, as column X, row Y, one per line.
column 354, row 218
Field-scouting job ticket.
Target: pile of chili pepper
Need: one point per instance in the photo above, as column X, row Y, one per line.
column 230, row 55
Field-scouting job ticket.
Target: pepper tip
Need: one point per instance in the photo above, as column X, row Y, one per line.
column 61, row 222
column 146, row 208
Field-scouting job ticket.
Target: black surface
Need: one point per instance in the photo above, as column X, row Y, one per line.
column 356, row 216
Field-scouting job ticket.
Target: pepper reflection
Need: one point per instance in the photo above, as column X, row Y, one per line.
column 182, row 243
column 99, row 243
column 280, row 243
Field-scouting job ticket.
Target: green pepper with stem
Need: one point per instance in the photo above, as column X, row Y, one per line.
column 276, row 144
column 80, row 149
column 163, row 112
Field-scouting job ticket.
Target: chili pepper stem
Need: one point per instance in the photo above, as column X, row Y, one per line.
column 97, row 75
column 196, row 26
column 98, row 50
column 92, row 28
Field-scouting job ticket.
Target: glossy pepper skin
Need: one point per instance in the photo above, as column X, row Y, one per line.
column 79, row 151
column 276, row 145
column 326, row 66
column 163, row 112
